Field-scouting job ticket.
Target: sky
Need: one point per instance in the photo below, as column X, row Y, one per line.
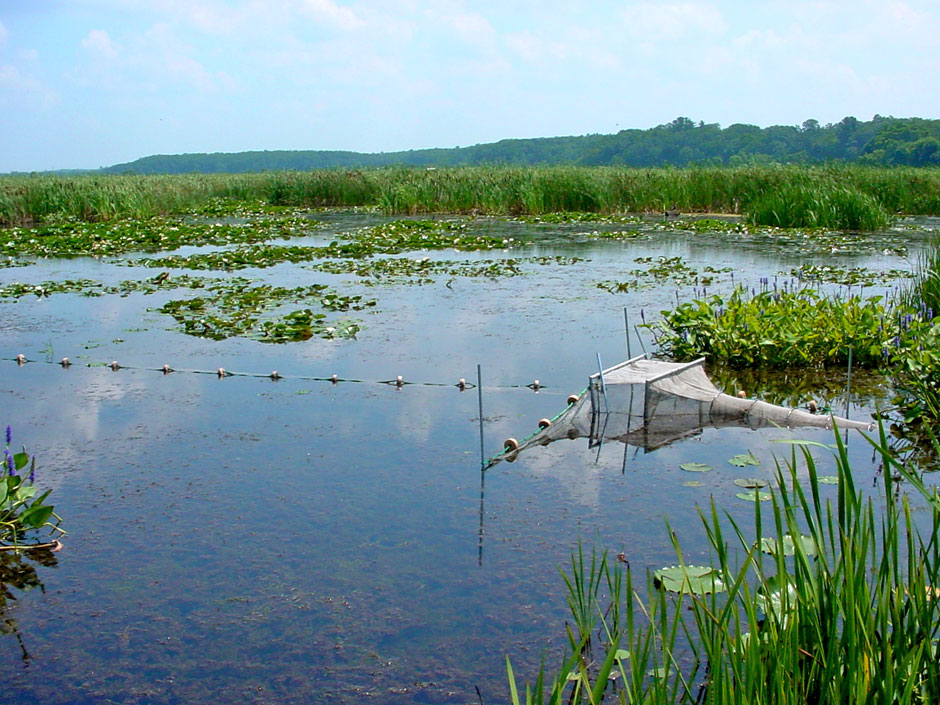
column 89, row 83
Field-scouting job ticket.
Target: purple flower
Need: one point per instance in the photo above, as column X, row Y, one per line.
column 11, row 467
column 9, row 435
column 32, row 474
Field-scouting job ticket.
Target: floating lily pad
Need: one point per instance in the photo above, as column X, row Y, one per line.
column 751, row 483
column 744, row 459
column 770, row 545
column 661, row 672
column 776, row 594
column 621, row 655
column 828, row 480
column 695, row 579
column 694, row 483
column 695, row 467
column 754, row 495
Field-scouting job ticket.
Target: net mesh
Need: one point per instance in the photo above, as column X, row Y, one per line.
column 651, row 403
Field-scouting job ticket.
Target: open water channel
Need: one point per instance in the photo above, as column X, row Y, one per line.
column 250, row 540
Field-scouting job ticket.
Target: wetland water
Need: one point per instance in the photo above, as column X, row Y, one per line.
column 249, row 540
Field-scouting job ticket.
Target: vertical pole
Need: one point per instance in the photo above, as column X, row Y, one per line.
column 480, row 398
column 482, row 466
column 626, row 330
column 638, row 337
column 848, row 391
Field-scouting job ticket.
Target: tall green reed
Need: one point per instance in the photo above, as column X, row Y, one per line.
column 847, row 197
column 840, row 607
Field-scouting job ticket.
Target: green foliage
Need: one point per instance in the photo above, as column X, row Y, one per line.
column 782, row 328
column 818, row 205
column 681, row 142
column 836, row 603
column 22, row 510
column 851, row 195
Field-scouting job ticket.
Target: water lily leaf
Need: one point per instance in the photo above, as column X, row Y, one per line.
column 661, row 672
column 694, row 483
column 770, row 545
column 777, row 595
column 754, row 495
column 828, row 480
column 751, row 483
column 695, row 467
column 694, row 579
column 744, row 459
column 621, row 655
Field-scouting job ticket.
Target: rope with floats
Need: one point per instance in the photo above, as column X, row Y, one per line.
column 398, row 382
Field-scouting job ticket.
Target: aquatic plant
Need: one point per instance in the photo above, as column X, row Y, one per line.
column 823, row 601
column 817, row 205
column 22, row 510
column 853, row 193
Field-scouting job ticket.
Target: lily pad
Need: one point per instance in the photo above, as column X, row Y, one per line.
column 694, row 579
column 751, row 483
column 744, row 459
column 754, row 495
column 694, row 483
column 695, row 467
column 776, row 594
column 770, row 545
column 828, row 480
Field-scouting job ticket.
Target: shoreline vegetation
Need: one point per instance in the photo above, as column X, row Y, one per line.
column 835, row 196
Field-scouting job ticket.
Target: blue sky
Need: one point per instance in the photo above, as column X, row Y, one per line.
column 88, row 83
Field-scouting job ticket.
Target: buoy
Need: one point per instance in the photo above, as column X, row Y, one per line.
column 399, row 381
column 167, row 369
column 221, row 372
column 742, row 394
column 572, row 399
column 334, row 379
column 544, row 423
column 461, row 384
column 535, row 386
column 114, row 365
column 65, row 362
column 21, row 359
column 812, row 406
column 274, row 375
column 510, row 444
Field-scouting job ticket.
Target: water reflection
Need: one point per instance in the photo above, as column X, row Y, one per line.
column 19, row 575
column 246, row 540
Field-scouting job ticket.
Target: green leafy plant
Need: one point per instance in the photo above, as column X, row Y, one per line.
column 825, row 600
column 22, row 510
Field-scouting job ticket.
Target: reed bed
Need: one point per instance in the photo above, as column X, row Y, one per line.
column 819, row 601
column 850, row 196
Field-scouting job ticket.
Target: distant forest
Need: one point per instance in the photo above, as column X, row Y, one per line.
column 882, row 141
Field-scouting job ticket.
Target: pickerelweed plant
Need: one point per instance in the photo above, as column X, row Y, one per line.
column 788, row 327
column 822, row 601
column 22, row 510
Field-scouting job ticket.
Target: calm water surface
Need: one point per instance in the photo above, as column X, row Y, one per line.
column 245, row 540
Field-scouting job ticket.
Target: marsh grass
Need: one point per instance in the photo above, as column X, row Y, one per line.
column 847, row 614
column 854, row 197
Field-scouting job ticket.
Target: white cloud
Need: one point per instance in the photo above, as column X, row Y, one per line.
column 658, row 21
column 99, row 42
column 331, row 12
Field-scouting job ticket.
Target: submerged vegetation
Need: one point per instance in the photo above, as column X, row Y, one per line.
column 821, row 601
column 851, row 197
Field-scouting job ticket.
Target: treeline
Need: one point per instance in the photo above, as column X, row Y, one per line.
column 882, row 141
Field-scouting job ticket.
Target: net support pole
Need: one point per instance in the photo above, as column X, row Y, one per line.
column 480, row 400
column 600, row 371
column 482, row 465
column 626, row 330
column 848, row 391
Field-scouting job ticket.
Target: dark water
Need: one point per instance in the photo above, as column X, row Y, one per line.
column 247, row 540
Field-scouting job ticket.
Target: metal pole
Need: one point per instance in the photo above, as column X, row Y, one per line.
column 626, row 330
column 482, row 465
column 480, row 398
